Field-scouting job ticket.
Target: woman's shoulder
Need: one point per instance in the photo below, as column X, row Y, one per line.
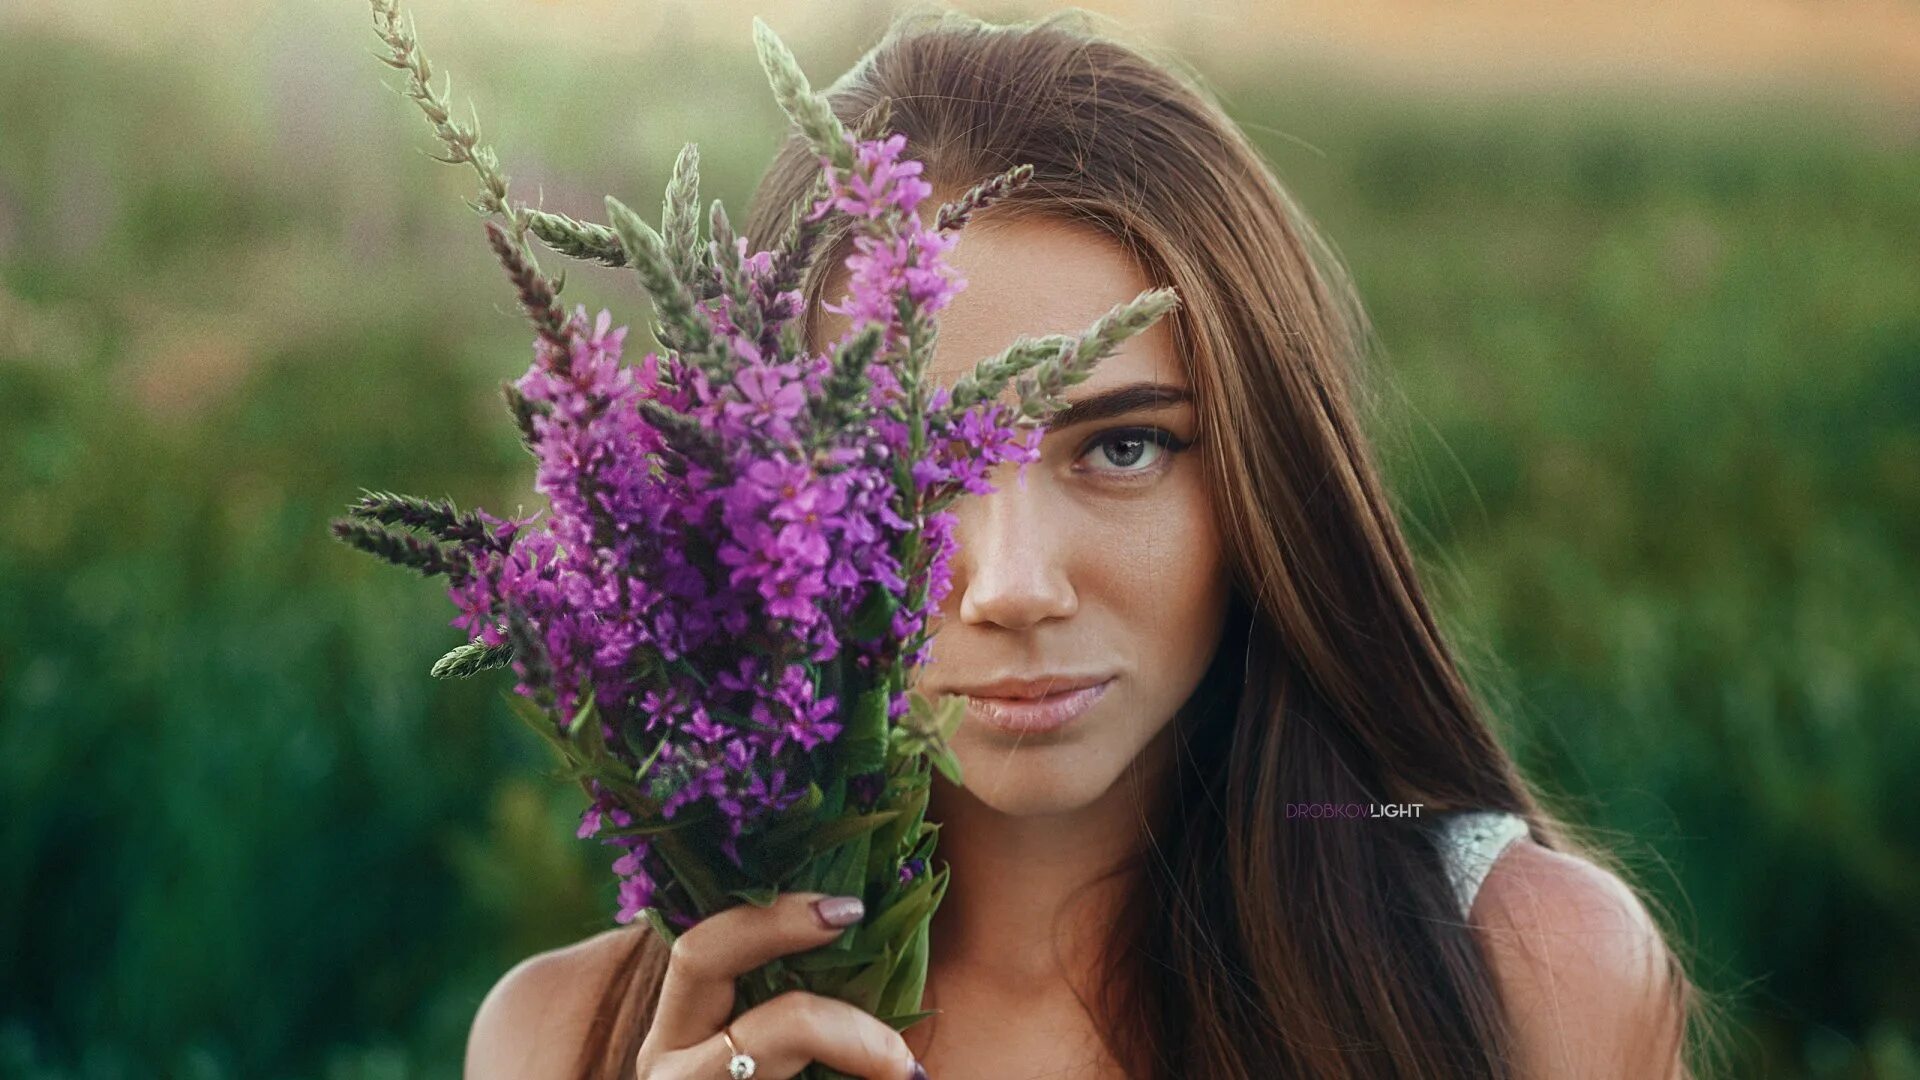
column 535, row 1019
column 1584, row 969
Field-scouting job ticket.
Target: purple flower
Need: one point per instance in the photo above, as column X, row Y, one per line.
column 589, row 822
column 809, row 726
column 635, row 893
column 792, row 597
column 699, row 579
column 769, row 400
column 880, row 182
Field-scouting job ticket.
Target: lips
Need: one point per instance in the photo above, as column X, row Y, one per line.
column 1031, row 688
column 1034, row 714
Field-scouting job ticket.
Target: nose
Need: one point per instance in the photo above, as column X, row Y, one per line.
column 1010, row 567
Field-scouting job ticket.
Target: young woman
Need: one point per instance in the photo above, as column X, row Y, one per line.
column 1195, row 643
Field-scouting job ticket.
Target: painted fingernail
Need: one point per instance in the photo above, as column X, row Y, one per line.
column 836, row 912
column 919, row 1071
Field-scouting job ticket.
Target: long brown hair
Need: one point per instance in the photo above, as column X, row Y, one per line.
column 1255, row 947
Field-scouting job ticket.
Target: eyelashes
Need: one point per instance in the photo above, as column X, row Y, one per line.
column 1121, row 449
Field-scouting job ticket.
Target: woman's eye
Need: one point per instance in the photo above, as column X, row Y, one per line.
column 1127, row 451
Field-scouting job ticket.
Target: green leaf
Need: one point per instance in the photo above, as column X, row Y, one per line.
column 759, row 895
column 903, row 1021
column 829, row 959
column 923, row 846
column 875, row 614
column 888, row 841
column 834, row 833
column 691, row 871
column 897, row 918
column 947, row 715
column 843, row 873
column 865, row 988
column 584, row 732
column 918, row 710
column 651, row 828
column 791, row 829
column 540, row 719
column 646, row 763
column 659, row 924
column 580, row 716
column 948, row 765
column 909, row 981
column 863, row 742
column 833, row 798
column 810, row 802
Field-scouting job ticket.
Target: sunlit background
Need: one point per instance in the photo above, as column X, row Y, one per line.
column 1648, row 284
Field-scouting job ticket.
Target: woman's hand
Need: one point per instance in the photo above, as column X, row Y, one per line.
column 783, row 1035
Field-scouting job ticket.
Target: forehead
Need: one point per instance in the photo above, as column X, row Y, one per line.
column 1030, row 276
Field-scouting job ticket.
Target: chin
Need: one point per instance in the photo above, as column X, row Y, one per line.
column 1034, row 780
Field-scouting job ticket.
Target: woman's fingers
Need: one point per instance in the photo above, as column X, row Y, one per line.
column 696, row 996
column 794, row 1029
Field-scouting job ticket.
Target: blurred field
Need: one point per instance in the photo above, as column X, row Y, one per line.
column 1652, row 402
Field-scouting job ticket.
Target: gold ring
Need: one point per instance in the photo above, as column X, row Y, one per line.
column 740, row 1066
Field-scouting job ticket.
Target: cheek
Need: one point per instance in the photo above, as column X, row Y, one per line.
column 1154, row 566
column 1159, row 557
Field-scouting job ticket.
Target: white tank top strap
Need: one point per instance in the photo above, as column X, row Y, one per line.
column 1469, row 842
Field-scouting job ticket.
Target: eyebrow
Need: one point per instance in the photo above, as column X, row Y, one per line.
column 1118, row 401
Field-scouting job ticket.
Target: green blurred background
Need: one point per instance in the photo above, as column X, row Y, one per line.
column 1652, row 404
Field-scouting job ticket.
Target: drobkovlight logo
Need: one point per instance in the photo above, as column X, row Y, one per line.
column 1352, row 811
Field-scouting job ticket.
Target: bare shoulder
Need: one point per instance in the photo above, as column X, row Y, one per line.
column 1582, row 967
column 531, row 1024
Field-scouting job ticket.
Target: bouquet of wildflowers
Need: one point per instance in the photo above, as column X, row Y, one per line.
column 717, row 619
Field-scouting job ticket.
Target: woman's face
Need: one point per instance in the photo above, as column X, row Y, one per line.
column 1106, row 567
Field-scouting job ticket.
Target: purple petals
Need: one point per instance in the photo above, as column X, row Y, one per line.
column 700, row 595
